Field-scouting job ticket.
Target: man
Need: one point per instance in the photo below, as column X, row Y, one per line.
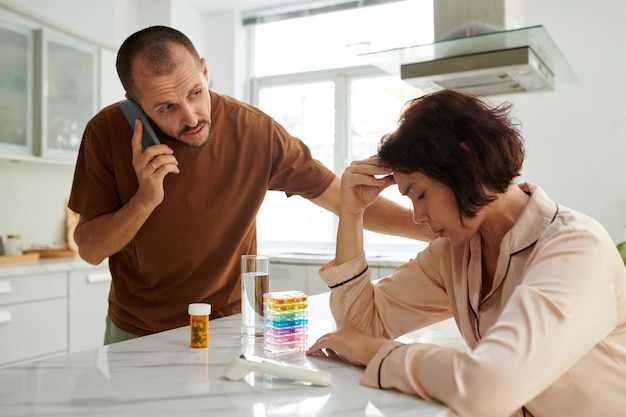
column 174, row 218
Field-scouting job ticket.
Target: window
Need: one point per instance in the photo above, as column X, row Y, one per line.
column 335, row 40
column 318, row 87
column 306, row 110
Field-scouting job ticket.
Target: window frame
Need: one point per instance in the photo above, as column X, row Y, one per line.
column 342, row 77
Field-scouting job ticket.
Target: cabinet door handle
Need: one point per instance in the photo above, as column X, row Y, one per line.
column 5, row 287
column 97, row 277
column 5, row 316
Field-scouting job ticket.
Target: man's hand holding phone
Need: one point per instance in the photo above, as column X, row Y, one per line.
column 133, row 111
column 151, row 163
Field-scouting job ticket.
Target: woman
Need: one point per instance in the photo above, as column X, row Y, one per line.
column 537, row 290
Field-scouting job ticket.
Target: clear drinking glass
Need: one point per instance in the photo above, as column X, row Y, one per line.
column 255, row 282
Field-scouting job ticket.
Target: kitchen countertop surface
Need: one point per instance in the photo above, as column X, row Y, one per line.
column 160, row 375
column 378, row 258
column 304, row 256
column 43, row 265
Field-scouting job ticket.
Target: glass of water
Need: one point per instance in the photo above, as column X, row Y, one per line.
column 255, row 282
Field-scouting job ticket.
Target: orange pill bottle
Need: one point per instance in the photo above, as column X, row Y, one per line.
column 199, row 324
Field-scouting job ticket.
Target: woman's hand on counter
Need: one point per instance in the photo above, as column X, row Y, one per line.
column 350, row 344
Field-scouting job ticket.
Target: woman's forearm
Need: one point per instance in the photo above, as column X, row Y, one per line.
column 349, row 238
column 389, row 217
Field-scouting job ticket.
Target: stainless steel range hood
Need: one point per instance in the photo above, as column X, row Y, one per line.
column 493, row 72
column 487, row 63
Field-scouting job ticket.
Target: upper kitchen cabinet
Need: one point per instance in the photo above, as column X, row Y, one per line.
column 66, row 93
column 16, row 90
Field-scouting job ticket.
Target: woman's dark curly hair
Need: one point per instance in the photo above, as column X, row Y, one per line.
column 458, row 140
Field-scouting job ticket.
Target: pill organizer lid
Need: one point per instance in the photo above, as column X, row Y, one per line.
column 284, row 297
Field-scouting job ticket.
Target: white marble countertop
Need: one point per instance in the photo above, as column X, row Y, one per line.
column 160, row 375
column 43, row 266
column 319, row 259
column 298, row 256
column 388, row 258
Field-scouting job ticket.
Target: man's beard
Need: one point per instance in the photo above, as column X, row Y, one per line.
column 189, row 129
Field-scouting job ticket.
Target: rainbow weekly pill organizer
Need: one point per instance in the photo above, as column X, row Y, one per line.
column 286, row 326
column 286, row 320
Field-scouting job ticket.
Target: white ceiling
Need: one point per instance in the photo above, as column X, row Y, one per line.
column 212, row 6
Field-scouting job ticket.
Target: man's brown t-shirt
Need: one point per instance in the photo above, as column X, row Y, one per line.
column 189, row 248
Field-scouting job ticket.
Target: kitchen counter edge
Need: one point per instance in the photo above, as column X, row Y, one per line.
column 44, row 265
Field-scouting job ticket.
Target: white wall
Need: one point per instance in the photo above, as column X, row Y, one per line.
column 33, row 200
column 575, row 136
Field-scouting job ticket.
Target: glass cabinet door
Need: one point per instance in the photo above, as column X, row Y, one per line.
column 16, row 50
column 68, row 92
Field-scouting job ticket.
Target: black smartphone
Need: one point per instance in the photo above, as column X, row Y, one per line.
column 133, row 111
